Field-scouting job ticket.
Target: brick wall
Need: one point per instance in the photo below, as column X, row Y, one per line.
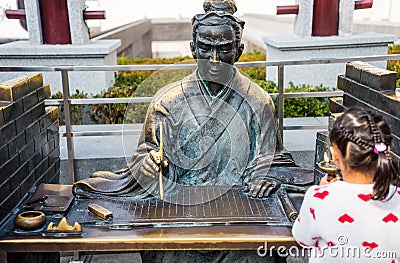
column 29, row 139
column 369, row 87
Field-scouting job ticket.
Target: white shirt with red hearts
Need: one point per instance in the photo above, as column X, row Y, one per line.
column 341, row 223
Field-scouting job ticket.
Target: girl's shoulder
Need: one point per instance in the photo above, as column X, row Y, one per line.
column 321, row 188
column 337, row 190
column 346, row 192
column 342, row 186
column 318, row 193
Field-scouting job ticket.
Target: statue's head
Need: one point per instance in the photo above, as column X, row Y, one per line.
column 217, row 37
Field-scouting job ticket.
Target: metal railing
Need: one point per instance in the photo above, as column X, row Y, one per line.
column 67, row 102
column 97, row 101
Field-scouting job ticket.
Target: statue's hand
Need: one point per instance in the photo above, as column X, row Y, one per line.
column 260, row 187
column 151, row 164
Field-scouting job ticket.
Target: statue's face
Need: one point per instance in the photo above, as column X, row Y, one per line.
column 215, row 52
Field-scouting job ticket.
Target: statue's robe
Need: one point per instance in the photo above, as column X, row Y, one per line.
column 208, row 140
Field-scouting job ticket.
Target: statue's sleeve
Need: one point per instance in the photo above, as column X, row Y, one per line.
column 270, row 151
column 150, row 140
column 265, row 142
column 128, row 181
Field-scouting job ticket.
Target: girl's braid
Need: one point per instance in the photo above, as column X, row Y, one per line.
column 377, row 136
column 374, row 129
column 357, row 140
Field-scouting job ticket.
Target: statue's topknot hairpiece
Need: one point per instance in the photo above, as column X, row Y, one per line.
column 219, row 9
column 228, row 6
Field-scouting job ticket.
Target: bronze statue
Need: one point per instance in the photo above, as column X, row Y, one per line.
column 214, row 127
column 218, row 125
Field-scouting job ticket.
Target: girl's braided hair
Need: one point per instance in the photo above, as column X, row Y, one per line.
column 363, row 138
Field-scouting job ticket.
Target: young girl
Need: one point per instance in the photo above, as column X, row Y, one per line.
column 357, row 219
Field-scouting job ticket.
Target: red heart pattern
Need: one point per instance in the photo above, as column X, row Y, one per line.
column 312, row 211
column 321, row 195
column 319, row 188
column 390, row 218
column 303, row 244
column 316, row 244
column 345, row 218
column 365, row 197
column 349, row 218
column 369, row 245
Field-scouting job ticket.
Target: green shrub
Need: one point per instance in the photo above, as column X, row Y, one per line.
column 147, row 83
column 294, row 107
column 258, row 73
column 136, row 84
column 306, row 107
column 394, row 64
column 78, row 112
column 299, row 107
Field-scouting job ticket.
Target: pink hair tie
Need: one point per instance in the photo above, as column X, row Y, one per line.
column 380, row 147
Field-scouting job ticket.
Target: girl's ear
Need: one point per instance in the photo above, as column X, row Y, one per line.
column 337, row 157
column 335, row 154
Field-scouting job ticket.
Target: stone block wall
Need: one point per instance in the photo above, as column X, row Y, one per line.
column 370, row 87
column 29, row 140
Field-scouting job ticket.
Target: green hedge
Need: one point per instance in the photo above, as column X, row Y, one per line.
column 147, row 83
column 395, row 64
column 127, row 84
column 78, row 112
column 136, row 84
